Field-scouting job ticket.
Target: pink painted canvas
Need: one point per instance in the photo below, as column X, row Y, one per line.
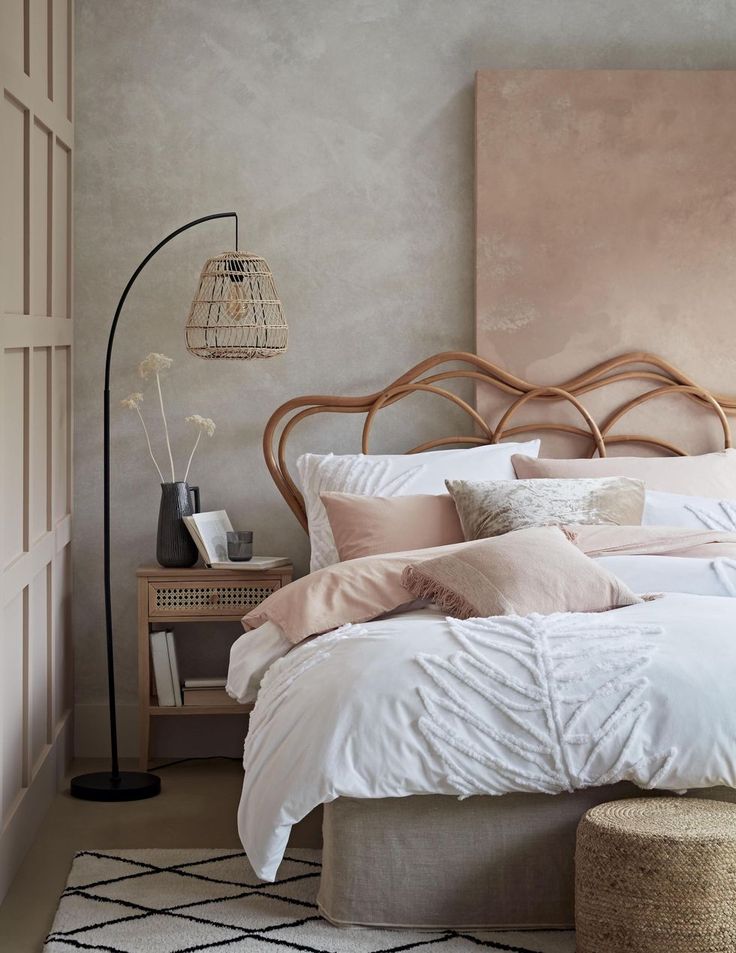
column 606, row 223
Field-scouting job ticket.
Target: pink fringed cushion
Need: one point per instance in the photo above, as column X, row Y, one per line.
column 529, row 570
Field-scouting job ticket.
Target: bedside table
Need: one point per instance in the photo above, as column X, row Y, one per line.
column 192, row 595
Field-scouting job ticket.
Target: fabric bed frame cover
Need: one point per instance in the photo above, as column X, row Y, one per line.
column 434, row 861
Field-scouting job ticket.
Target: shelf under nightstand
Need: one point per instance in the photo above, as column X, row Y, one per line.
column 192, row 595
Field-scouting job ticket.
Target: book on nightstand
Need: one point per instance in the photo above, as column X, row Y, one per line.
column 205, row 682
column 212, row 697
column 209, row 531
column 165, row 669
column 253, row 564
column 174, row 666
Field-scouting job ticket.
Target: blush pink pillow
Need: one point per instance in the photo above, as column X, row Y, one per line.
column 371, row 525
column 710, row 474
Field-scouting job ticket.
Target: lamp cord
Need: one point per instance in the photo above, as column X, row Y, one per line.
column 211, row 757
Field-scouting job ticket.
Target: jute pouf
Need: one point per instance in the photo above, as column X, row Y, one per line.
column 656, row 875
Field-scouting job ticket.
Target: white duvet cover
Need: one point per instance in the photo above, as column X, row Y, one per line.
column 422, row 704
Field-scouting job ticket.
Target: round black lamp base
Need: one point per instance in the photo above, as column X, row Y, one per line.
column 126, row 786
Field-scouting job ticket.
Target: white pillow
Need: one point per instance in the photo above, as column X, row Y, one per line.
column 393, row 475
column 694, row 512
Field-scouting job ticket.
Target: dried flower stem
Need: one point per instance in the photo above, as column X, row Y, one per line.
column 191, row 455
column 148, row 441
column 203, row 425
column 166, row 426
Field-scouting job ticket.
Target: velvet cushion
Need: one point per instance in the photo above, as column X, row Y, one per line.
column 493, row 507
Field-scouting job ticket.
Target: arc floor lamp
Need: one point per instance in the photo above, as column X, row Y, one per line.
column 236, row 314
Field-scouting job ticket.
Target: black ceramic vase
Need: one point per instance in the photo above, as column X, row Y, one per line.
column 175, row 547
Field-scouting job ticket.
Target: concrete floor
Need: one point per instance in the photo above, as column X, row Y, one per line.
column 196, row 808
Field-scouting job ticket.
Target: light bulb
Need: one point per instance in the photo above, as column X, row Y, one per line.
column 236, row 298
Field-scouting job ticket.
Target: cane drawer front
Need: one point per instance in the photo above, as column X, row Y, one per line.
column 208, row 599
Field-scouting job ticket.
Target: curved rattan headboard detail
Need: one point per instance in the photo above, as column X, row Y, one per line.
column 665, row 380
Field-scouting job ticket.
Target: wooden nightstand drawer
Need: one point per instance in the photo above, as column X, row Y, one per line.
column 236, row 598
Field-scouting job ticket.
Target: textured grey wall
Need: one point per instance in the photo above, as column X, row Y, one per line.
column 342, row 132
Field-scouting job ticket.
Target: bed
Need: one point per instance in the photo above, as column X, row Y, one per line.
column 419, row 845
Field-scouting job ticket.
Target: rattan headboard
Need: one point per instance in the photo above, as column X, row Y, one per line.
column 660, row 379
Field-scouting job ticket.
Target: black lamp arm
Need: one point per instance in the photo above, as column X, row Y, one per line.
column 115, row 774
column 139, row 269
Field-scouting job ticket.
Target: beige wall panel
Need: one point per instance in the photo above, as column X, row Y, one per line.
column 60, row 432
column 39, row 44
column 35, row 414
column 12, row 728
column 39, row 471
column 12, row 32
column 12, row 144
column 39, row 238
column 38, row 667
column 60, row 240
column 12, row 459
column 60, row 54
column 61, row 638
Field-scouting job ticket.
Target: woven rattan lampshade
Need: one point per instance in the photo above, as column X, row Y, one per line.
column 236, row 312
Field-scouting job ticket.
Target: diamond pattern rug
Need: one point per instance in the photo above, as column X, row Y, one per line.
column 197, row 901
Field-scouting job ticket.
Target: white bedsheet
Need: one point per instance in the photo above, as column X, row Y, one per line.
column 250, row 658
column 420, row 704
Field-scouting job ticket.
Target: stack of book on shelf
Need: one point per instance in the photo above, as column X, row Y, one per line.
column 209, row 692
column 165, row 669
column 206, row 691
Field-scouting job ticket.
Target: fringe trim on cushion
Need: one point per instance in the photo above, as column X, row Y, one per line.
column 422, row 586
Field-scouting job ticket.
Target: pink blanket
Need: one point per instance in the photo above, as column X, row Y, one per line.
column 607, row 540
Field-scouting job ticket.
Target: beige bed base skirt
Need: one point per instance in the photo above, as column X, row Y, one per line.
column 435, row 861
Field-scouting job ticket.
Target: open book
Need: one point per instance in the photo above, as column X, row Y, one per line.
column 209, row 531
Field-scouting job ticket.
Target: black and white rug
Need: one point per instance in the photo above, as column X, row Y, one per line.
column 197, row 901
